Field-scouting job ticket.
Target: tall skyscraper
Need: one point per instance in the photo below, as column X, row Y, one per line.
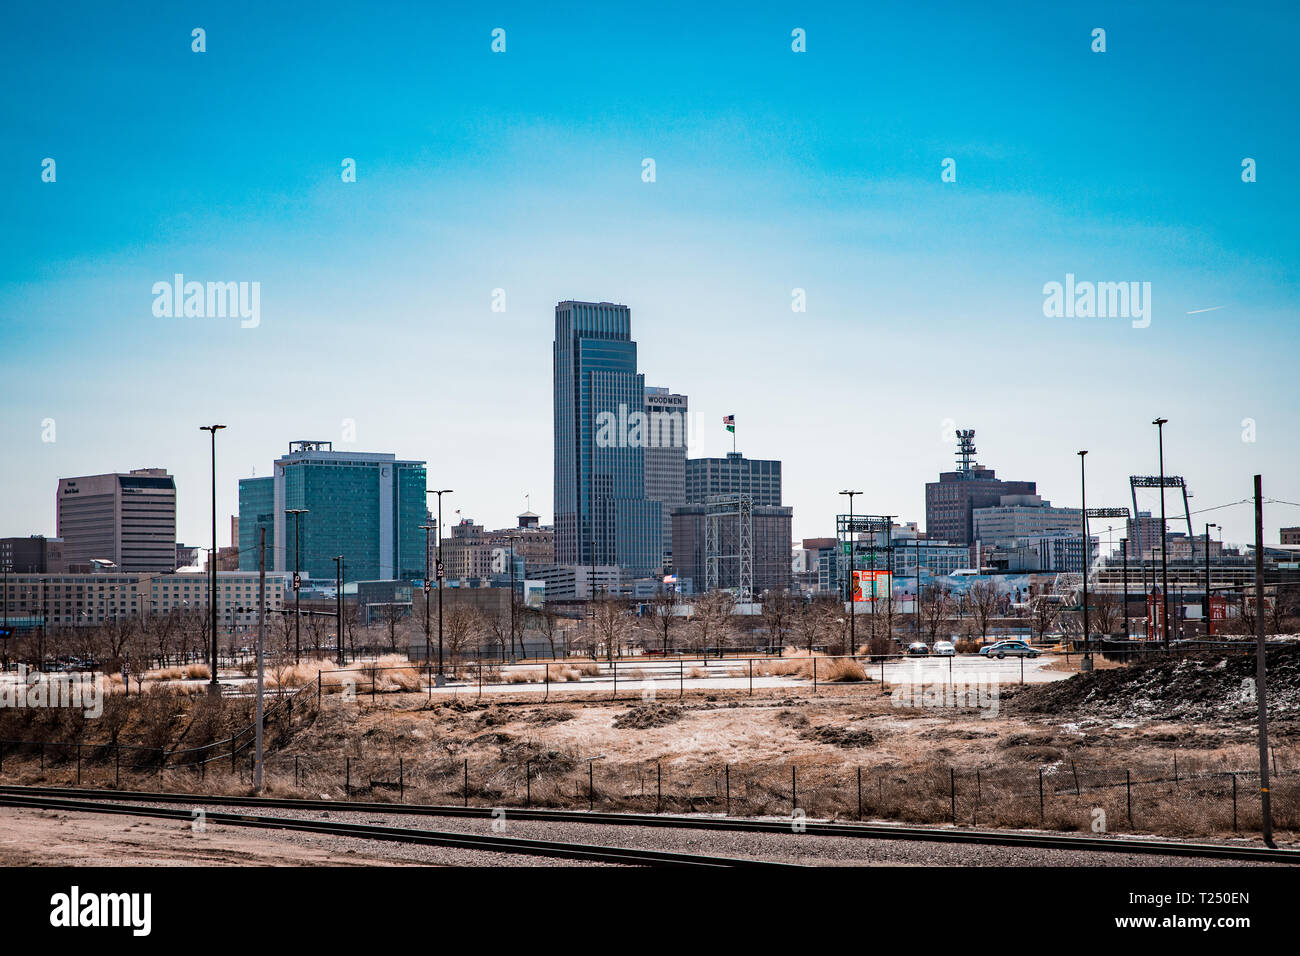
column 129, row 519
column 602, row 514
column 668, row 417
column 367, row 507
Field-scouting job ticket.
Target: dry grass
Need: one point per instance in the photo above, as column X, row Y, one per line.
column 841, row 670
column 525, row 675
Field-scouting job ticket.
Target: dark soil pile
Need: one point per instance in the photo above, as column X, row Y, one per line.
column 644, row 717
column 847, row 737
column 1207, row 687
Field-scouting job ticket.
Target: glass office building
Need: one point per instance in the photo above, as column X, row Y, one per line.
column 602, row 514
column 366, row 507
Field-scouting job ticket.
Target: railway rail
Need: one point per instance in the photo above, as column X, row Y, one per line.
column 629, row 856
column 10, row 794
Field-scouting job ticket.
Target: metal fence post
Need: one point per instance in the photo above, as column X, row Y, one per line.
column 794, row 790
column 1128, row 792
column 859, row 793
column 347, row 780
column 751, row 677
column 681, row 678
column 1234, row 802
column 528, row 783
column 467, row 769
column 952, row 793
column 727, row 772
column 401, row 780
column 78, row 763
column 117, row 764
column 659, row 783
column 318, row 686
column 548, row 682
column 1040, row 795
column 1075, row 770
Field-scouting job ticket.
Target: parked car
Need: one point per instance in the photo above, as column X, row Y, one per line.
column 1009, row 649
column 944, row 648
column 917, row 649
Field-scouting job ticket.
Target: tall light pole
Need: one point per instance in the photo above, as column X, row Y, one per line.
column 853, row 617
column 428, row 647
column 1209, row 628
column 213, row 686
column 1086, row 663
column 297, row 612
column 338, row 604
column 1164, row 561
column 442, row 679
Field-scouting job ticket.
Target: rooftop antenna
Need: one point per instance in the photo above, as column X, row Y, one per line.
column 965, row 451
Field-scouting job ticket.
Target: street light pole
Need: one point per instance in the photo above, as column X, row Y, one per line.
column 1209, row 627
column 1164, row 562
column 1123, row 557
column 853, row 617
column 442, row 679
column 338, row 603
column 213, row 686
column 428, row 648
column 1086, row 663
column 297, row 607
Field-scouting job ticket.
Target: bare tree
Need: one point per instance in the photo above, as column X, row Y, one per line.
column 983, row 604
column 462, row 627
column 611, row 624
column 1043, row 612
column 711, row 621
column 779, row 610
column 663, row 608
column 936, row 609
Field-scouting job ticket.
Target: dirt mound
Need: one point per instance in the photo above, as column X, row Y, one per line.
column 846, row 737
column 647, row 716
column 544, row 718
column 1207, row 687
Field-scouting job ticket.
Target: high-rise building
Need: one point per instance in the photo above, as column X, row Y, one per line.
column 367, row 507
column 665, row 456
column 602, row 514
column 1289, row 535
column 734, row 475
column 951, row 501
column 128, row 519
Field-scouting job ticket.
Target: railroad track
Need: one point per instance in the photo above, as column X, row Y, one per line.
column 468, row 841
column 1112, row 844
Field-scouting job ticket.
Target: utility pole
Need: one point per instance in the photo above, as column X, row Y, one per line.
column 213, row 687
column 1086, row 663
column 1266, row 806
column 261, row 643
column 1164, row 558
column 1209, row 627
column 441, row 571
column 428, row 646
column 297, row 606
column 853, row 615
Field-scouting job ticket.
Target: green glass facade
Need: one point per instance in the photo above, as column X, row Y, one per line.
column 366, row 507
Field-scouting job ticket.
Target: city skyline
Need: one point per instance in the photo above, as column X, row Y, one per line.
column 775, row 171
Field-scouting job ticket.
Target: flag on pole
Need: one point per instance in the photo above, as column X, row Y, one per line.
column 730, row 422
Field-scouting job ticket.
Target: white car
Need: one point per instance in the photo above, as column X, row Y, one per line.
column 944, row 649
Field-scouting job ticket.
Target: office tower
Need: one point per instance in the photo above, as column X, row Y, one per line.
column 734, row 475
column 665, row 457
column 129, row 519
column 367, row 507
column 602, row 514
column 34, row 555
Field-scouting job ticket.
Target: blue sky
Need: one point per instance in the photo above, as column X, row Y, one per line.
column 775, row 170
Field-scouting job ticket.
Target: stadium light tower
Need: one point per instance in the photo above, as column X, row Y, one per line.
column 213, row 686
column 853, row 632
